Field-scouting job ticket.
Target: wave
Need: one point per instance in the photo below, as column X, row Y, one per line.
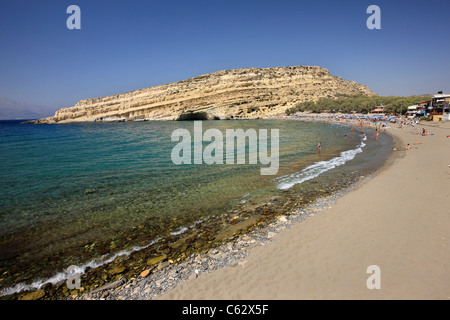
column 316, row 169
column 243, row 198
column 184, row 229
column 70, row 271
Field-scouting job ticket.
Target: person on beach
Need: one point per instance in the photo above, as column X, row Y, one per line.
column 408, row 147
column 319, row 147
column 345, row 138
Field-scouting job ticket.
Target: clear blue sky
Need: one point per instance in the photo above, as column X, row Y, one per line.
column 128, row 45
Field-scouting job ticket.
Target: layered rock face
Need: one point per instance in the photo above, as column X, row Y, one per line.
column 227, row 94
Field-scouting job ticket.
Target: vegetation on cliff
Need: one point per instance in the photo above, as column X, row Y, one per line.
column 358, row 103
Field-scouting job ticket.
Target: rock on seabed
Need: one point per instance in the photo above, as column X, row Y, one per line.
column 36, row 295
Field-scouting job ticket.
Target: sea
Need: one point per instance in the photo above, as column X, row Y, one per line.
column 66, row 187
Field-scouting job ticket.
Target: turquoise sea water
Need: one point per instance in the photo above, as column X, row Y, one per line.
column 64, row 187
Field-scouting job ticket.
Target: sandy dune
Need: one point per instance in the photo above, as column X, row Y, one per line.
column 399, row 220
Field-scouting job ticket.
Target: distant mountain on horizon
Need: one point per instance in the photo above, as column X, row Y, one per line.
column 14, row 110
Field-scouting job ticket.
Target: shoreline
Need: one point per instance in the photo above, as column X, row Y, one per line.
column 230, row 254
column 380, row 222
column 95, row 273
column 168, row 280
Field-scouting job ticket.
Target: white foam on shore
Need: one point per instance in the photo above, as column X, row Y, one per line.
column 316, row 169
column 184, row 229
column 243, row 198
column 70, row 271
column 180, row 231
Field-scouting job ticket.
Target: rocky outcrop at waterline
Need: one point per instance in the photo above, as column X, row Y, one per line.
column 226, row 94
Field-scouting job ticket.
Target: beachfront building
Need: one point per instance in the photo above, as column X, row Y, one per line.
column 378, row 110
column 440, row 108
column 422, row 108
column 418, row 110
column 412, row 111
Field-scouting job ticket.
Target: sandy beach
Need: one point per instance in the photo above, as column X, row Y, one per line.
column 398, row 220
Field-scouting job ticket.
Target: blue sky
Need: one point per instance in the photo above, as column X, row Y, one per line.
column 128, row 45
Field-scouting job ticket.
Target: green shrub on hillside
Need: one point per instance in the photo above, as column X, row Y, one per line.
column 358, row 103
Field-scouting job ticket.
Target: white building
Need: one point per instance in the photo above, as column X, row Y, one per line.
column 412, row 111
column 440, row 108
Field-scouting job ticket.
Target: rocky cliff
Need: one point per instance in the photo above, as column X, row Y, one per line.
column 227, row 94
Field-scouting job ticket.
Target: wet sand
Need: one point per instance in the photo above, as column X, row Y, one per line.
column 399, row 221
